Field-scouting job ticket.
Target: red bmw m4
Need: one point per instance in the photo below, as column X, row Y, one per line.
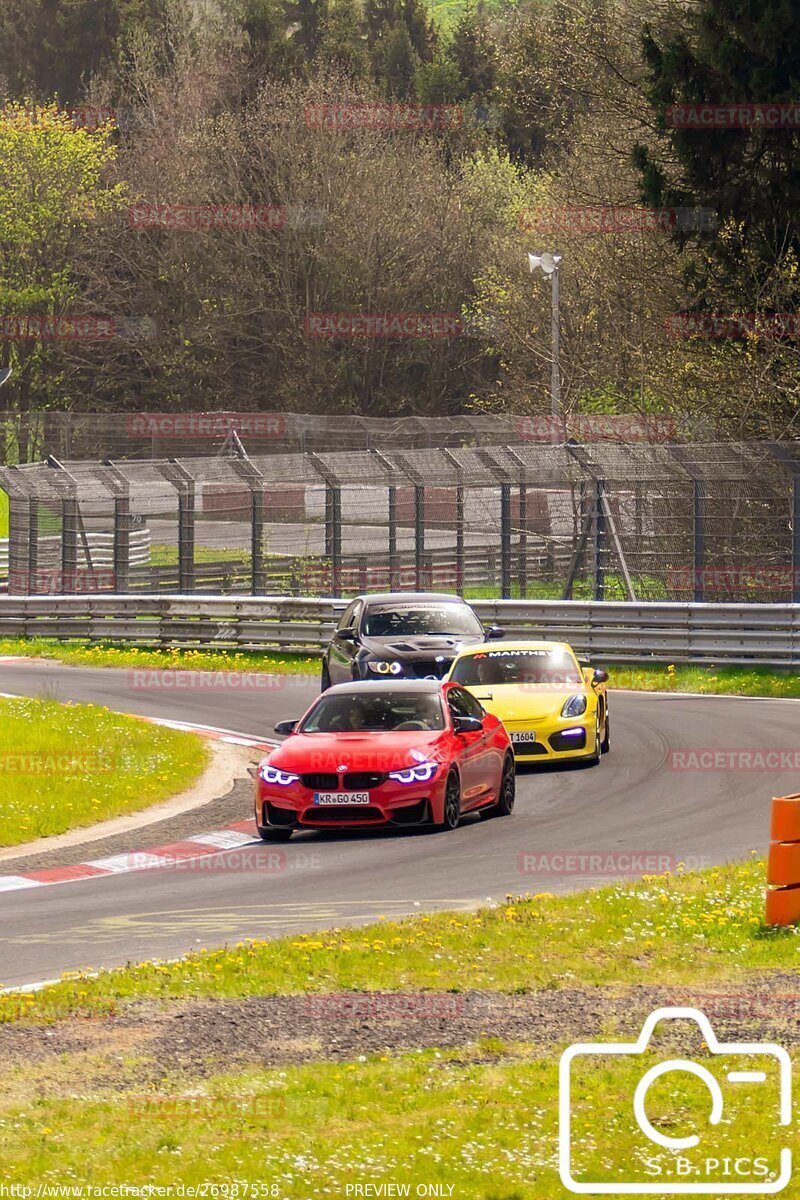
column 410, row 752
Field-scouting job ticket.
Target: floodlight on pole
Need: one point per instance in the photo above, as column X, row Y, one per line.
column 548, row 264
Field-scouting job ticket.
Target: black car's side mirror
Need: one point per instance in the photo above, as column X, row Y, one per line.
column 286, row 726
column 467, row 724
column 494, row 633
column 600, row 676
column 347, row 635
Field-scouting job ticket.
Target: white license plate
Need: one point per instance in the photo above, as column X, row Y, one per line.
column 341, row 797
column 526, row 735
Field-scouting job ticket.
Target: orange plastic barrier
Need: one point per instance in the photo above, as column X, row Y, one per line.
column 783, row 868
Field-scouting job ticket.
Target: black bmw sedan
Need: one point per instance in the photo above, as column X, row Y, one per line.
column 401, row 635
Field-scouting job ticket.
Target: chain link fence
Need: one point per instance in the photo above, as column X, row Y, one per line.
column 717, row 522
column 67, row 436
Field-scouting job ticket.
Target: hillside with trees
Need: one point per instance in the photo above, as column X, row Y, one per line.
column 480, row 133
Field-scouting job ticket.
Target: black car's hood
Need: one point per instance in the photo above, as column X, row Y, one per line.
column 430, row 645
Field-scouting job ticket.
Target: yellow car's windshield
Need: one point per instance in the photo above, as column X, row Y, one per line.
column 527, row 667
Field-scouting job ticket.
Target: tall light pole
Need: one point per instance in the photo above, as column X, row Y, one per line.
column 548, row 264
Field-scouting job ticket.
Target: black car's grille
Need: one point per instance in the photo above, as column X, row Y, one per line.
column 422, row 667
column 321, row 781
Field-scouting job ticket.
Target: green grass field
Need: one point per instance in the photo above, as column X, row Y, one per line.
column 63, row 766
column 479, row 1117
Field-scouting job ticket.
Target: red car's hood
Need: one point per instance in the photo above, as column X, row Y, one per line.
column 306, row 752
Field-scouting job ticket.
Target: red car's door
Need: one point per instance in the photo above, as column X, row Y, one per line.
column 478, row 776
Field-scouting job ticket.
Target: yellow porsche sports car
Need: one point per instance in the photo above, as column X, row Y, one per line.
column 551, row 706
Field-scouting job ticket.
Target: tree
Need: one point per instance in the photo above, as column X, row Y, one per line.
column 728, row 52
column 54, row 47
column 51, row 187
column 473, row 51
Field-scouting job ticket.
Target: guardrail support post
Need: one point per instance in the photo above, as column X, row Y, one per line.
column 122, row 543
column 599, row 541
column 698, row 538
column 505, row 541
column 419, row 535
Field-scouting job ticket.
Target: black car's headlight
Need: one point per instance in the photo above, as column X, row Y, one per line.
column 386, row 668
column 575, row 706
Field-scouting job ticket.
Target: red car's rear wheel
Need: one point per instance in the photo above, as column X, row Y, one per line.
column 507, row 793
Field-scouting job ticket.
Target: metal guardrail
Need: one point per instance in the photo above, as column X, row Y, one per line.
column 747, row 635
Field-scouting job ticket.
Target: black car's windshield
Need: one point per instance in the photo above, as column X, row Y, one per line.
column 417, row 620
column 356, row 712
column 533, row 668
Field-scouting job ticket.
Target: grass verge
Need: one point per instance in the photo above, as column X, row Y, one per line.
column 691, row 928
column 110, row 654
column 63, row 766
column 708, row 681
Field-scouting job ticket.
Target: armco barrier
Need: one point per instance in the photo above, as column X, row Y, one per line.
column 746, row 634
column 783, row 869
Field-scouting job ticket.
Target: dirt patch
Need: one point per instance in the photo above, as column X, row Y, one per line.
column 202, row 1038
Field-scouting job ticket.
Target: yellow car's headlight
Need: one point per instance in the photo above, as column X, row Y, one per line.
column 575, row 706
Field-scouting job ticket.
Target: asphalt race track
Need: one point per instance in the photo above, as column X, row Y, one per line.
column 638, row 802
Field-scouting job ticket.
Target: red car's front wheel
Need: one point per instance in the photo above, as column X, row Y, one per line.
column 451, row 808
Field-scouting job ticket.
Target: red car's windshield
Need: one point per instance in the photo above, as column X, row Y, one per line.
column 356, row 712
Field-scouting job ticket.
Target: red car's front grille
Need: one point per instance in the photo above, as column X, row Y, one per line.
column 320, row 781
column 342, row 812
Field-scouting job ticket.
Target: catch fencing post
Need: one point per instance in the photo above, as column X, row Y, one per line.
column 599, row 541
column 456, row 465
column 256, row 484
column 698, row 538
column 333, row 519
column 183, row 483
column 419, row 534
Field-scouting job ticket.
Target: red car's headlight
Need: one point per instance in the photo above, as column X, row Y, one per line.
column 273, row 775
column 420, row 773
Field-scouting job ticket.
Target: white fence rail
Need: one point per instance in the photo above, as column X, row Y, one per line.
column 100, row 547
column 747, row 634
